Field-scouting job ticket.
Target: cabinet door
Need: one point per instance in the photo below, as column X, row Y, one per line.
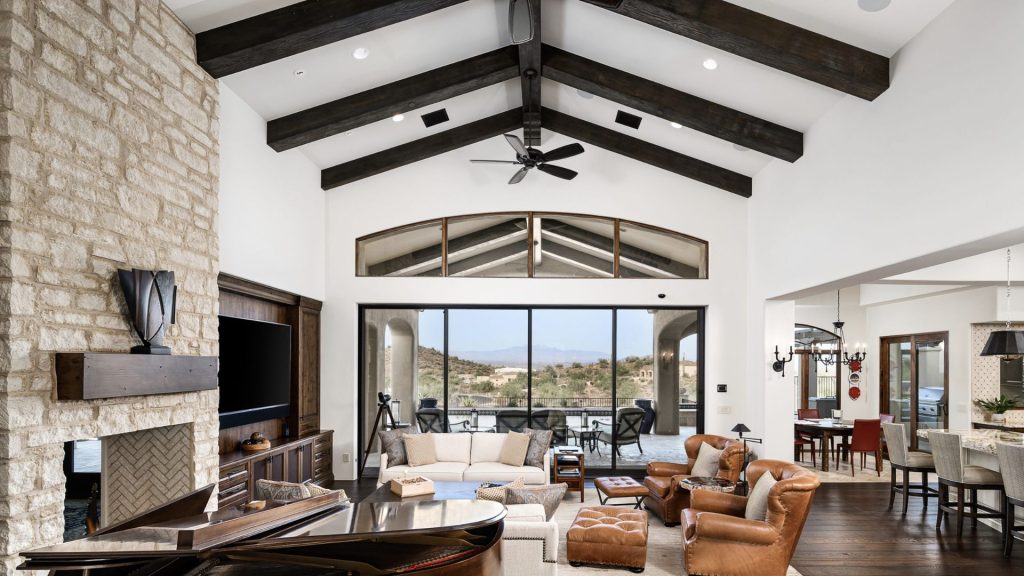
column 271, row 467
column 306, row 462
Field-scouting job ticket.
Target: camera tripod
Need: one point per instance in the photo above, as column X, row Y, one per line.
column 383, row 409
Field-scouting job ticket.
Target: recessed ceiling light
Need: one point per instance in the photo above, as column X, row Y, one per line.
column 299, row 73
column 710, row 63
column 584, row 94
column 873, row 5
column 361, row 53
column 675, row 125
column 741, row 148
column 398, row 117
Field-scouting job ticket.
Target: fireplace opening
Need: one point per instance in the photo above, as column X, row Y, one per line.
column 83, row 464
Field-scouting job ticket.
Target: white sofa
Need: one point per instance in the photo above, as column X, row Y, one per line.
column 529, row 545
column 469, row 457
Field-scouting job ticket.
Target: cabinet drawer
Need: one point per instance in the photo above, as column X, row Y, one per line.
column 233, row 496
column 232, row 477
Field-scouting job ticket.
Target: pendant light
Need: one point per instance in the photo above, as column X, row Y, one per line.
column 1007, row 342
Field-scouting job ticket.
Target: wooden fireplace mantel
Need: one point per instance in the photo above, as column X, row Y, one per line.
column 95, row 375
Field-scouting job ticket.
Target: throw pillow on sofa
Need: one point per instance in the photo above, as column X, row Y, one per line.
column 420, row 449
column 392, row 444
column 757, row 502
column 513, row 451
column 540, row 441
column 707, row 461
column 549, row 496
column 497, row 493
column 280, row 491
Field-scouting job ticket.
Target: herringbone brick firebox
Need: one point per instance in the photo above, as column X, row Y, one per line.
column 144, row 469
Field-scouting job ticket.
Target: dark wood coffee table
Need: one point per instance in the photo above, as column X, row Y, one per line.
column 442, row 491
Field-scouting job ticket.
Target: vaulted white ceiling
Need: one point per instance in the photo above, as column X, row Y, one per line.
column 476, row 26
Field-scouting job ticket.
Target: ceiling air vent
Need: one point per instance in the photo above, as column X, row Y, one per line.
column 434, row 118
column 627, row 119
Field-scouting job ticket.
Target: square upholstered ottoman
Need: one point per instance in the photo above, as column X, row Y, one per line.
column 608, row 536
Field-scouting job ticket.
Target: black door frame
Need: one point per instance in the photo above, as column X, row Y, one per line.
column 361, row 343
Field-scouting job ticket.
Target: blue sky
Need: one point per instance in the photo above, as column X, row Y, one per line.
column 483, row 329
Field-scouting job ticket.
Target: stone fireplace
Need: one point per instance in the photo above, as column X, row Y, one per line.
column 108, row 159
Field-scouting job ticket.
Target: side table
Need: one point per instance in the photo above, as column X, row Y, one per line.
column 568, row 467
column 707, row 483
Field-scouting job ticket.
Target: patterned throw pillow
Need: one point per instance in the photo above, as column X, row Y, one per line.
column 281, row 491
column 391, row 444
column 497, row 493
column 540, row 441
column 549, row 496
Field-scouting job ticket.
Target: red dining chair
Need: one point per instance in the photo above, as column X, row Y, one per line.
column 798, row 448
column 867, row 437
column 814, row 414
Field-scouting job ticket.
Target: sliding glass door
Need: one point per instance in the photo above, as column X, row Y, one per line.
column 914, row 382
column 626, row 384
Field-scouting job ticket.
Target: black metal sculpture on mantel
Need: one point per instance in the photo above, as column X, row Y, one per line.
column 152, row 297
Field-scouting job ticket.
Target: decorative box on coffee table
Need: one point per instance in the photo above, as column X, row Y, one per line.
column 412, row 486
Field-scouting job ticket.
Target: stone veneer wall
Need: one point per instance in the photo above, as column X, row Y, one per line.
column 108, row 159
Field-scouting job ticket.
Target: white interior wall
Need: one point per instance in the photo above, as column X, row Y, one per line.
column 608, row 185
column 954, row 313
column 899, row 177
column 272, row 223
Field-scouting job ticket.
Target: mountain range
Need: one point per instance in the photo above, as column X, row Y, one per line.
column 542, row 356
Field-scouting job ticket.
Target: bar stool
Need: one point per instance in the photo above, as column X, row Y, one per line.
column 908, row 461
column 953, row 473
column 1011, row 463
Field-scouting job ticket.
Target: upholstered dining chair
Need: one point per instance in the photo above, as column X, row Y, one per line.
column 867, row 438
column 665, row 497
column 1011, row 463
column 903, row 459
column 952, row 473
column 813, row 414
column 718, row 540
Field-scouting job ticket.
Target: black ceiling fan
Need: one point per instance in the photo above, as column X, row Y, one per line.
column 532, row 158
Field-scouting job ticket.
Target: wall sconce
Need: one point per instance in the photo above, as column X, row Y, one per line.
column 780, row 363
column 666, row 358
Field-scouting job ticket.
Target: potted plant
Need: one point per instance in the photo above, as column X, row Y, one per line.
column 997, row 408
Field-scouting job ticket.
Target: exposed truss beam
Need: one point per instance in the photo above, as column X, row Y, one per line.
column 673, row 105
column 385, row 101
column 425, row 260
column 530, row 70
column 648, row 153
column 421, row 149
column 293, row 29
column 764, row 39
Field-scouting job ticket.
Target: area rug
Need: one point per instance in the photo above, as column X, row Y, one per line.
column 664, row 545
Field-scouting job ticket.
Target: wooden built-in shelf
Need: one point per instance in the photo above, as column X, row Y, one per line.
column 96, row 375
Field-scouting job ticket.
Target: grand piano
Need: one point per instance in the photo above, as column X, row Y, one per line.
column 320, row 535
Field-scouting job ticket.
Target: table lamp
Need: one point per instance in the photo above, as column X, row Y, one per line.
column 740, row 428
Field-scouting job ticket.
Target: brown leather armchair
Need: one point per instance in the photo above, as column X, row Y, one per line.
column 718, row 540
column 665, row 498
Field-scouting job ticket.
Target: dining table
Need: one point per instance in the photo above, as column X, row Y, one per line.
column 826, row 429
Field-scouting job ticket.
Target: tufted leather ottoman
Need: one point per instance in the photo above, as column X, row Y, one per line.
column 620, row 487
column 608, row 536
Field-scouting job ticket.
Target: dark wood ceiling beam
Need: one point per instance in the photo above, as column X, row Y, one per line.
column 300, row 27
column 385, row 101
column 673, row 105
column 766, row 40
column 530, row 63
column 421, row 149
column 636, row 149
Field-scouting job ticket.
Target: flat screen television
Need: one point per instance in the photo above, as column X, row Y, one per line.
column 255, row 371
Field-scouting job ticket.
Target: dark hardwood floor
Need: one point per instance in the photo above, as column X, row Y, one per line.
column 851, row 533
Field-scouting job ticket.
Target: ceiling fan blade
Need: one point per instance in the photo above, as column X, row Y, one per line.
column 563, row 152
column 517, row 145
column 495, row 162
column 518, row 176
column 558, row 171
